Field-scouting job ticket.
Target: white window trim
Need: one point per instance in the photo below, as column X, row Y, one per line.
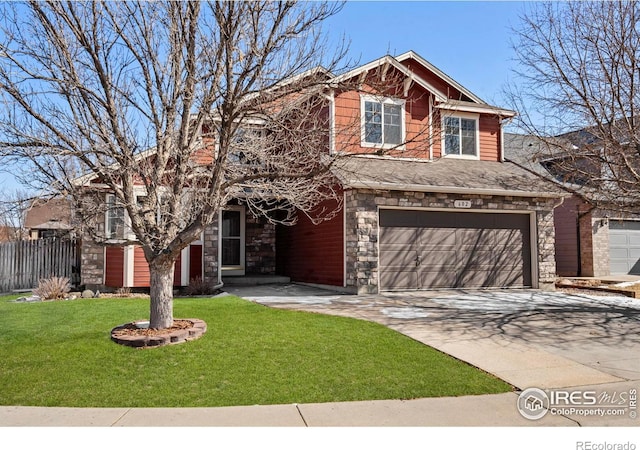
column 383, row 100
column 460, row 115
column 107, row 223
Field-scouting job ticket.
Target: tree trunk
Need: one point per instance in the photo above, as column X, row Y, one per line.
column 161, row 307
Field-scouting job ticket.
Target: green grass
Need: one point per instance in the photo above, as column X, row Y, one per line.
column 60, row 354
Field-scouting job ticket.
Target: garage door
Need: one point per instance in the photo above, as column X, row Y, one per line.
column 624, row 247
column 428, row 249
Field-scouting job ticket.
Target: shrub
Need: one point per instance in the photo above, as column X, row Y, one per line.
column 197, row 286
column 53, row 288
column 123, row 292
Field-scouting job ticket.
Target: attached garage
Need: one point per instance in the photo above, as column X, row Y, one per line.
column 624, row 247
column 437, row 249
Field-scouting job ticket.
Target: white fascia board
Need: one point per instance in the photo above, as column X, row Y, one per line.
column 440, row 96
column 480, row 109
column 413, row 55
column 381, row 185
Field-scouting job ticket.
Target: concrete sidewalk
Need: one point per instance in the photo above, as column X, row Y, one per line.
column 482, row 410
column 496, row 410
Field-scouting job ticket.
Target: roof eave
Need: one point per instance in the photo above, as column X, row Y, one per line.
column 449, row 189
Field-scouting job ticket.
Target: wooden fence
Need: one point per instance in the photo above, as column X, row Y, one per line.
column 24, row 263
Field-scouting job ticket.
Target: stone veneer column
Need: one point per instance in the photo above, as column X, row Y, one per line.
column 260, row 245
column 600, row 247
column 91, row 264
column 210, row 254
column 546, row 249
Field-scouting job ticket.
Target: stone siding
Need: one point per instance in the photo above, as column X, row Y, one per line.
column 362, row 228
column 92, row 264
column 210, row 254
column 260, row 246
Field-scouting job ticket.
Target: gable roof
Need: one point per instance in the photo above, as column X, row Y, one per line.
column 413, row 55
column 390, row 60
column 476, row 105
column 49, row 214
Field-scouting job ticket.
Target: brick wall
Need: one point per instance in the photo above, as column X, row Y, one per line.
column 362, row 228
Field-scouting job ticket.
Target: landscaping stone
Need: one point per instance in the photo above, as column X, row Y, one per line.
column 120, row 334
column 88, row 293
column 30, row 299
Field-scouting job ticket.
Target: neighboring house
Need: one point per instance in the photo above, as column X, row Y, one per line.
column 589, row 242
column 49, row 218
column 429, row 202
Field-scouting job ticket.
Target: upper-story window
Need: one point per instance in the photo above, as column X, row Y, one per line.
column 246, row 145
column 115, row 222
column 460, row 136
column 382, row 122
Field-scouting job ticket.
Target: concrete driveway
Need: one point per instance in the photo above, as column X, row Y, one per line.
column 528, row 338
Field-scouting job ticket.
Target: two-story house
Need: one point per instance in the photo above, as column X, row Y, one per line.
column 428, row 200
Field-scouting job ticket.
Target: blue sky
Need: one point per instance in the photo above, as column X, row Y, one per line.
column 469, row 41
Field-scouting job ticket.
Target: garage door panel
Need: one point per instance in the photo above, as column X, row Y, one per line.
column 472, row 237
column 399, row 279
column 514, row 278
column 458, row 249
column 397, row 235
column 434, row 279
column 618, row 239
column 624, row 247
column 397, row 258
column 436, row 236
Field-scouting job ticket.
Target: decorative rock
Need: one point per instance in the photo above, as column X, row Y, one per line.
column 30, row 299
column 88, row 293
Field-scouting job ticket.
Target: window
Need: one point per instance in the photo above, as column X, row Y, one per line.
column 460, row 136
column 114, row 226
column 246, row 145
column 382, row 122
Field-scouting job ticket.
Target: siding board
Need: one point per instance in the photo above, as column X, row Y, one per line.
column 311, row 253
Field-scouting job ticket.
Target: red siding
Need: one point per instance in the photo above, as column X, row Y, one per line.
column 141, row 276
column 195, row 262
column 565, row 222
column 348, row 125
column 311, row 253
column 489, row 138
column 114, row 267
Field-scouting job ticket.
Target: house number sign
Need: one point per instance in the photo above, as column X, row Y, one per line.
column 462, row 204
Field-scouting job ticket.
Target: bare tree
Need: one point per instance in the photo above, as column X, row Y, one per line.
column 13, row 205
column 174, row 108
column 579, row 67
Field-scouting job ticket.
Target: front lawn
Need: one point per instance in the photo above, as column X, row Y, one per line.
column 60, row 354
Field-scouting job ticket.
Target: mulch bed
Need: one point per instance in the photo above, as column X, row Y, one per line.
column 131, row 335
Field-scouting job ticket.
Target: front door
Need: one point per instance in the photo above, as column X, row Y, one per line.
column 232, row 241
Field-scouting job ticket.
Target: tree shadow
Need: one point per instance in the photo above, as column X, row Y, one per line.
column 534, row 317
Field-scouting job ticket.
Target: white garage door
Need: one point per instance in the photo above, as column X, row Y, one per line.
column 624, row 247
